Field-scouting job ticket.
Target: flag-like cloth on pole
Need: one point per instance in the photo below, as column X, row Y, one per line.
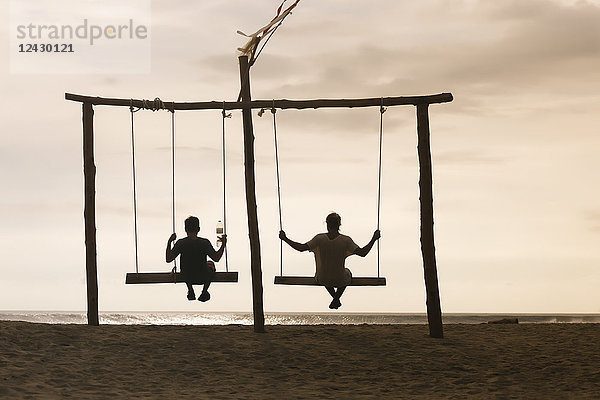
column 250, row 46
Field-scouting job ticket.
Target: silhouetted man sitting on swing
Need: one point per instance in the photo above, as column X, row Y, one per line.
column 194, row 250
column 331, row 250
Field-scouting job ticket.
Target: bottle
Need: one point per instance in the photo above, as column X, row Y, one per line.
column 219, row 232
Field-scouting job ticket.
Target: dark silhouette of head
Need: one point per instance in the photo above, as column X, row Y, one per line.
column 192, row 225
column 333, row 221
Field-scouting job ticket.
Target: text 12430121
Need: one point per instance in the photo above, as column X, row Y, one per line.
column 46, row 48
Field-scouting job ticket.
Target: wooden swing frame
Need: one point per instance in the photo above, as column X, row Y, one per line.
column 245, row 104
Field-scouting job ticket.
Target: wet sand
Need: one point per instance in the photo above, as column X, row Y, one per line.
column 327, row 361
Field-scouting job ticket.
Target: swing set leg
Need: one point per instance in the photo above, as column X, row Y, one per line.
column 91, row 267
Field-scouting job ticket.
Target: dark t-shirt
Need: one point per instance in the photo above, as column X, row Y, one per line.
column 193, row 253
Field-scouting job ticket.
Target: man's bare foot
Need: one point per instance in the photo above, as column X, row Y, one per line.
column 205, row 296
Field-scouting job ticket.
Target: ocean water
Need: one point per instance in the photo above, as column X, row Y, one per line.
column 213, row 318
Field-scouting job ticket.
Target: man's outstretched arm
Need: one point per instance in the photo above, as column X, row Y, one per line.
column 169, row 254
column 363, row 251
column 294, row 245
column 216, row 256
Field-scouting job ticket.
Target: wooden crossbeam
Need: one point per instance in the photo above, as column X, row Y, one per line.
column 257, row 104
column 170, row 277
column 310, row 281
column 425, row 185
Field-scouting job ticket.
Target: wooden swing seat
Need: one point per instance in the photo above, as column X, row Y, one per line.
column 170, row 277
column 310, row 281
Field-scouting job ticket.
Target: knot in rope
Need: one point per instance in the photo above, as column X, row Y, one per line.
column 262, row 110
column 154, row 105
column 224, row 113
column 132, row 108
column 382, row 109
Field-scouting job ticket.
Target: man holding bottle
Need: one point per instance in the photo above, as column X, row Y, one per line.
column 194, row 250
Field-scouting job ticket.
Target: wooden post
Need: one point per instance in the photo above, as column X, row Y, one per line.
column 89, row 214
column 434, row 312
column 255, row 262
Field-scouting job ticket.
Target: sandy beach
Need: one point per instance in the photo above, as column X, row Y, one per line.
column 327, row 361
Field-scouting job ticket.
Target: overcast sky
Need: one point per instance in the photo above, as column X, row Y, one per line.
column 517, row 216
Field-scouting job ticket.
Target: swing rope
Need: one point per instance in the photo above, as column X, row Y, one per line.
column 155, row 105
column 274, row 112
column 135, row 227
column 224, row 158
column 382, row 109
column 173, row 204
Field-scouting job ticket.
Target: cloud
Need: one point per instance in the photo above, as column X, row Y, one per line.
column 497, row 58
column 205, row 150
column 461, row 157
column 524, row 75
column 538, row 48
column 592, row 220
column 467, row 157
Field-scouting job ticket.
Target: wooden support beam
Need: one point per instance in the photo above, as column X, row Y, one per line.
column 253, row 232
column 310, row 281
column 246, row 105
column 280, row 104
column 89, row 214
column 170, row 277
column 434, row 311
